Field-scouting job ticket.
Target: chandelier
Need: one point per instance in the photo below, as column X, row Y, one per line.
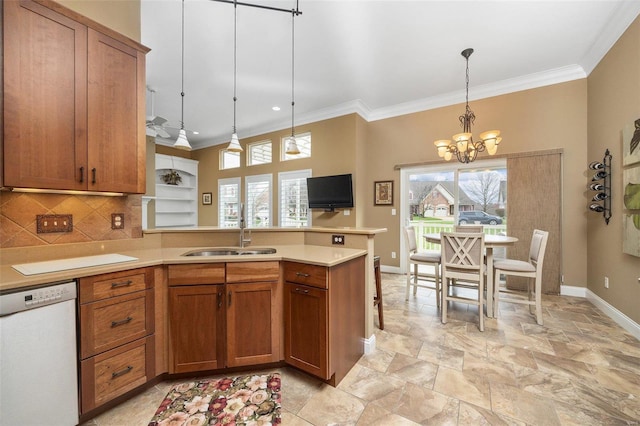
column 463, row 146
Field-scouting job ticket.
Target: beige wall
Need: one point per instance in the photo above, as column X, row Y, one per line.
column 122, row 16
column 532, row 120
column 333, row 152
column 614, row 101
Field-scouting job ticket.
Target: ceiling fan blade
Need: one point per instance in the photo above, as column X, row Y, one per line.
column 162, row 132
column 158, row 121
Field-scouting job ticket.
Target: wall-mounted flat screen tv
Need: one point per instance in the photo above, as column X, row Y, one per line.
column 330, row 192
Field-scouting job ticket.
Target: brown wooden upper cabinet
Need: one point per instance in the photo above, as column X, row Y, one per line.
column 74, row 102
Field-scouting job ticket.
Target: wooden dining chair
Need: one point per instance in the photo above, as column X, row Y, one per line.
column 416, row 258
column 468, row 228
column 531, row 269
column 462, row 257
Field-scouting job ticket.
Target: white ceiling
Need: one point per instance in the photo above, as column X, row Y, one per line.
column 377, row 58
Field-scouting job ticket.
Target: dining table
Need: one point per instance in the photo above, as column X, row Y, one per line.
column 490, row 242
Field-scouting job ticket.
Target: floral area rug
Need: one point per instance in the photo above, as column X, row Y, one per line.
column 242, row 401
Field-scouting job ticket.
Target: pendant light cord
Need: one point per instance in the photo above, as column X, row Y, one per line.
column 293, row 18
column 235, row 48
column 182, row 82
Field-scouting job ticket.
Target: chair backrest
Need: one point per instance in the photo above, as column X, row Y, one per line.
column 410, row 237
column 538, row 247
column 467, row 228
column 462, row 254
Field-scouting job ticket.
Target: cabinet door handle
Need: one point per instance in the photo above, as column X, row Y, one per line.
column 121, row 372
column 229, row 298
column 121, row 284
column 305, row 291
column 93, row 175
column 121, row 322
column 302, row 274
column 220, row 299
column 81, row 174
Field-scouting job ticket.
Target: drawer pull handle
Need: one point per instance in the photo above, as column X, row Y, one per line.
column 302, row 274
column 121, row 322
column 121, row 284
column 302, row 291
column 121, row 372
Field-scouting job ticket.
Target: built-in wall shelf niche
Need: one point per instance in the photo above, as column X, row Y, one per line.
column 176, row 191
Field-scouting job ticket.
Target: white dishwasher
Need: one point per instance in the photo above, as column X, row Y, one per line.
column 38, row 357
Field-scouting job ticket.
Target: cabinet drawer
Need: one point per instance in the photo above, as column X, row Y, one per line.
column 252, row 271
column 198, row 273
column 111, row 374
column 116, row 284
column 302, row 273
column 113, row 322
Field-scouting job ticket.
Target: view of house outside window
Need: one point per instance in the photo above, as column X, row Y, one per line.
column 259, row 153
column 228, row 202
column 440, row 197
column 258, row 200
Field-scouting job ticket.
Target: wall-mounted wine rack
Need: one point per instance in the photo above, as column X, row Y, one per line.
column 601, row 184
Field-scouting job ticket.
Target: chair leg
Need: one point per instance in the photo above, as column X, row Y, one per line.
column 481, row 302
column 379, row 296
column 538, row 286
column 415, row 279
column 445, row 289
column 496, row 292
column 438, row 285
column 406, row 296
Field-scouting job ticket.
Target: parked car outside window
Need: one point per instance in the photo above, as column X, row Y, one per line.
column 478, row 217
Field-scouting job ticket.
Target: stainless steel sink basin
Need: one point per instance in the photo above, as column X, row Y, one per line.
column 229, row 252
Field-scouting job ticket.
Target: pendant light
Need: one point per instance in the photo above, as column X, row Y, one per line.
column 182, row 142
column 234, row 145
column 463, row 146
column 291, row 147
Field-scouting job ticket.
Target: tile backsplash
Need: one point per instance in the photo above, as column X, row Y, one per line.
column 91, row 218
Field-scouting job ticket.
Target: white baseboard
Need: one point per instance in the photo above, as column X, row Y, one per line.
column 620, row 318
column 568, row 290
column 390, row 269
column 370, row 345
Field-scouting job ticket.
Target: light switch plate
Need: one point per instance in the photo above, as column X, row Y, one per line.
column 54, row 223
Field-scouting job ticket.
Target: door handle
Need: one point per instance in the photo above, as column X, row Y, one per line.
column 93, row 175
column 81, row 174
column 229, row 298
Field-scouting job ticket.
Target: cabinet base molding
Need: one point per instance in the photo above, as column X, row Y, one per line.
column 370, row 345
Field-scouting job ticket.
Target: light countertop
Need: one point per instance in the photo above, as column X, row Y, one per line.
column 11, row 279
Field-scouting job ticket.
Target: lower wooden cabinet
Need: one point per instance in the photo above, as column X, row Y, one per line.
column 117, row 342
column 224, row 315
column 196, row 324
column 306, row 326
column 324, row 317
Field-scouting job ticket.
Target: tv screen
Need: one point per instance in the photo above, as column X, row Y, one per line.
column 330, row 192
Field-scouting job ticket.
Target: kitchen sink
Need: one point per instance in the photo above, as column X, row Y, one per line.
column 228, row 252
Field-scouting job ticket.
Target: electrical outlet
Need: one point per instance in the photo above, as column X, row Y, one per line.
column 337, row 239
column 606, row 282
column 393, row 254
column 54, row 223
column 117, row 221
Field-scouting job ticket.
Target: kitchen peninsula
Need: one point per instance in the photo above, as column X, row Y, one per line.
column 306, row 270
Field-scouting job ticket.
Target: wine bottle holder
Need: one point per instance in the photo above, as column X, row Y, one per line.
column 601, row 184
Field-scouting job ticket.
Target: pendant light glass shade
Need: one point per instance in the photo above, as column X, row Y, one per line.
column 291, row 147
column 234, row 145
column 182, row 142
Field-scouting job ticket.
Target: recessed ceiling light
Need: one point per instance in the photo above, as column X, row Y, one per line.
column 276, row 108
column 196, row 133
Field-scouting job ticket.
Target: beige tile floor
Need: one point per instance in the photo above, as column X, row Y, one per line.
column 580, row 368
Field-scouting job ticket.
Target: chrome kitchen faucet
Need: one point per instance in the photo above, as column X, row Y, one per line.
column 243, row 241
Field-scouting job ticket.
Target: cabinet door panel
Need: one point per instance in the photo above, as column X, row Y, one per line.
column 306, row 331
column 196, row 323
column 45, row 122
column 252, row 326
column 116, row 128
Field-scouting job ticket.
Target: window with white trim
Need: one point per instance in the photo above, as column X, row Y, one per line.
column 228, row 202
column 229, row 160
column 292, row 194
column 303, row 141
column 259, row 153
column 258, row 200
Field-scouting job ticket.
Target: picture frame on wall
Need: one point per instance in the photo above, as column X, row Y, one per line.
column 631, row 143
column 206, row 198
column 383, row 193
